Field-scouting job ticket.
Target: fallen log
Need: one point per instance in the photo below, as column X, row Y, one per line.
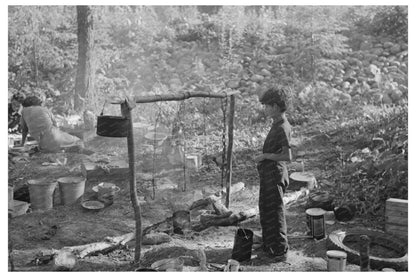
column 110, row 243
column 201, row 204
column 66, row 257
column 215, row 198
column 208, row 220
column 165, row 226
column 156, row 238
column 219, row 208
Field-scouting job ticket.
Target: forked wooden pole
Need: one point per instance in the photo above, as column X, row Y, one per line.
column 126, row 108
column 230, row 150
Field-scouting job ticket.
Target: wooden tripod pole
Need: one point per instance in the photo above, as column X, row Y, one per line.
column 230, row 150
column 126, row 108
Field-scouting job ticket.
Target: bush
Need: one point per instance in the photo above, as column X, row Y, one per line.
column 390, row 21
column 378, row 169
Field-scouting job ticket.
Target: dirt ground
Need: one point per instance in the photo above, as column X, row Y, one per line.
column 72, row 225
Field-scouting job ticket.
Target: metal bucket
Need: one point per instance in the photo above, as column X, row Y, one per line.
column 243, row 242
column 71, row 189
column 315, row 220
column 41, row 193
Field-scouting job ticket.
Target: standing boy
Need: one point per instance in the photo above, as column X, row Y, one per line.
column 273, row 174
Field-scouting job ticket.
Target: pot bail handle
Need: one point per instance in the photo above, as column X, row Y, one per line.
column 102, row 111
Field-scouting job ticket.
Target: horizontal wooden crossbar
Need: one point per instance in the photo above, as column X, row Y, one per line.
column 175, row 97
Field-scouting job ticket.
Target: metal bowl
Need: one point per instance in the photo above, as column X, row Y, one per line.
column 152, row 136
column 93, row 205
column 104, row 186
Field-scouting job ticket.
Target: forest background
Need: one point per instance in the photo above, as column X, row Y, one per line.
column 347, row 68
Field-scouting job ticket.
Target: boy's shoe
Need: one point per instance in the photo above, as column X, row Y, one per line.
column 276, row 258
column 262, row 251
column 279, row 258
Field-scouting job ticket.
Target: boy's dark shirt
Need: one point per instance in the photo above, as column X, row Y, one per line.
column 278, row 137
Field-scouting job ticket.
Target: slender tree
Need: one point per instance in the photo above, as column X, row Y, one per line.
column 84, row 83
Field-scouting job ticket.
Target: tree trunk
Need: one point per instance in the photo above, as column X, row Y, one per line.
column 35, row 64
column 84, row 85
column 35, row 31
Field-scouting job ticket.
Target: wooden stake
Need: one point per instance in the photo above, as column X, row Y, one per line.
column 365, row 253
column 11, row 247
column 230, row 150
column 126, row 108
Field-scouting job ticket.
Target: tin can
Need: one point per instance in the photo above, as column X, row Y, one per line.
column 315, row 220
column 336, row 260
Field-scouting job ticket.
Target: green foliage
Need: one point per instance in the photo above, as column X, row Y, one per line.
column 391, row 21
column 378, row 170
column 387, row 21
column 43, row 51
column 320, row 44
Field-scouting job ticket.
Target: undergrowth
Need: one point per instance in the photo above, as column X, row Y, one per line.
column 375, row 167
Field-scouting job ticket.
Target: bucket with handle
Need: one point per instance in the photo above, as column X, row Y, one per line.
column 112, row 126
column 71, row 189
column 41, row 193
column 243, row 242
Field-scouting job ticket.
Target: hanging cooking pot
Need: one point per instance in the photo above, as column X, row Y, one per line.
column 112, row 126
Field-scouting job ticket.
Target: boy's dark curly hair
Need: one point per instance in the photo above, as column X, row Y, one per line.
column 277, row 95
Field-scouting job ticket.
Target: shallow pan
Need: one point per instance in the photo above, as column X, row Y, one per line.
column 93, row 205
